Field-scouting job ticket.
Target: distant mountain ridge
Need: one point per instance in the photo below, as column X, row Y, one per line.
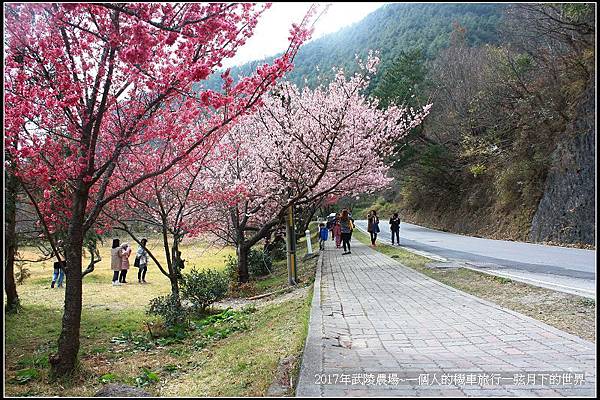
column 389, row 29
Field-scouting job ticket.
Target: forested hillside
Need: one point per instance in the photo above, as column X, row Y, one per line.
column 390, row 29
column 508, row 149
column 395, row 28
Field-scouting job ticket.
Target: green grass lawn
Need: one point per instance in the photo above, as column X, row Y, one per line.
column 113, row 330
column 243, row 365
column 98, row 292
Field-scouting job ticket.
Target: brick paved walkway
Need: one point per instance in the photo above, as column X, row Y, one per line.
column 377, row 328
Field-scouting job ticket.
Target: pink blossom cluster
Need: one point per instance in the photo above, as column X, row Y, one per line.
column 303, row 145
column 100, row 97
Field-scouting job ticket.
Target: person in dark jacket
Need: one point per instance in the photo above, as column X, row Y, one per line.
column 373, row 226
column 395, row 228
column 59, row 273
column 142, row 261
column 59, row 266
column 347, row 226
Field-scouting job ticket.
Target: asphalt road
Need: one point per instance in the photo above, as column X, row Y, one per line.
column 561, row 268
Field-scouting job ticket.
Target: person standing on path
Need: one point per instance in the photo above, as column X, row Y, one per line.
column 346, row 227
column 337, row 233
column 141, row 261
column 115, row 261
column 395, row 228
column 125, row 253
column 323, row 232
column 330, row 223
column 373, row 226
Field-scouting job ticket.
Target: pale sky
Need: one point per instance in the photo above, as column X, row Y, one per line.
column 271, row 32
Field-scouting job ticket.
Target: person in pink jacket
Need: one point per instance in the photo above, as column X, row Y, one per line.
column 337, row 233
column 125, row 253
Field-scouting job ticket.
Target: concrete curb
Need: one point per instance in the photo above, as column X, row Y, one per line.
column 312, row 356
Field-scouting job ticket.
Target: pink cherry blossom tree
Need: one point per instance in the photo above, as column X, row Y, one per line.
column 178, row 204
column 41, row 224
column 92, row 86
column 303, row 145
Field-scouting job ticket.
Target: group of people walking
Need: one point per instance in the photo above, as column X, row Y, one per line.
column 119, row 264
column 373, row 227
column 342, row 225
column 341, row 228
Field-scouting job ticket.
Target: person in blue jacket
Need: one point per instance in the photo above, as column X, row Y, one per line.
column 323, row 234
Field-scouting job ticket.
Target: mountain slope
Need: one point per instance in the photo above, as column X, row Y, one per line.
column 389, row 29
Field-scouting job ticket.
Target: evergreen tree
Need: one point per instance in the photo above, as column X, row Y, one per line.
column 404, row 82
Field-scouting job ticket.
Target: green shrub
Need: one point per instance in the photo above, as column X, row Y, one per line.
column 276, row 250
column 39, row 361
column 231, row 268
column 587, row 302
column 25, row 375
column 108, row 378
column 259, row 263
column 202, row 288
column 168, row 308
column 219, row 326
column 477, row 170
column 146, row 377
column 22, row 273
column 502, row 279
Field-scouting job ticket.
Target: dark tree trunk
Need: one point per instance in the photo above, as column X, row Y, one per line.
column 64, row 362
column 174, row 266
column 174, row 274
column 243, row 246
column 242, row 251
column 12, row 298
column 175, row 289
